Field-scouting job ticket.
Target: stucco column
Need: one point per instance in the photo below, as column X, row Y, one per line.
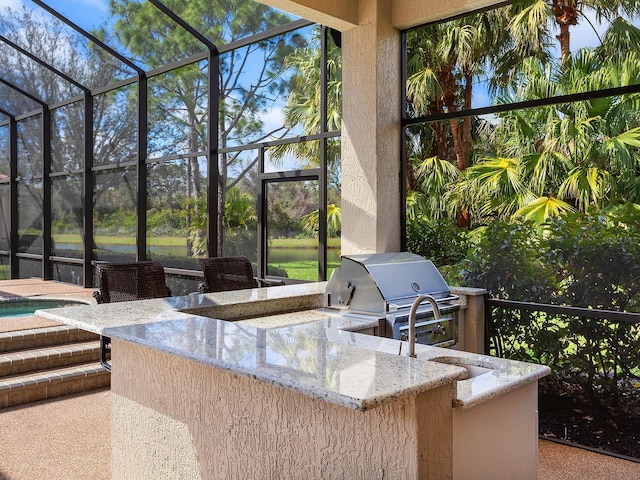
column 371, row 132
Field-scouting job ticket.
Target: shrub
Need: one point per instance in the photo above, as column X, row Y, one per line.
column 586, row 260
column 440, row 241
column 508, row 261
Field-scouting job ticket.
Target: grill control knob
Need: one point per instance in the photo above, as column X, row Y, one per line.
column 404, row 337
column 439, row 330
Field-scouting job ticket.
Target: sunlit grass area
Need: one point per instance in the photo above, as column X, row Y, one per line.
column 305, row 270
column 159, row 241
column 167, row 241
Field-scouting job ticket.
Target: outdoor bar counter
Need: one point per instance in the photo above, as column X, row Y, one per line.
column 268, row 384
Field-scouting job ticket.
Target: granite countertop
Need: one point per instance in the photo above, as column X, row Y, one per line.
column 495, row 376
column 283, row 336
column 221, row 305
column 300, row 357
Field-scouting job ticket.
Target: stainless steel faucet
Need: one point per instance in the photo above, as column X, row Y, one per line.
column 412, row 319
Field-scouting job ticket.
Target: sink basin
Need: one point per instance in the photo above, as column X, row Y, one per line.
column 474, row 368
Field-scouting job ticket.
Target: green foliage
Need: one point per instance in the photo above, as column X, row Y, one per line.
column 118, row 222
column 310, row 221
column 590, row 260
column 281, row 224
column 64, row 226
column 239, row 210
column 165, row 222
column 440, row 241
column 507, row 260
column 597, row 258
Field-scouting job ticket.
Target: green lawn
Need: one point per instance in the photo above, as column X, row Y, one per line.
column 75, row 239
column 298, row 269
column 306, row 270
column 302, row 243
column 163, row 241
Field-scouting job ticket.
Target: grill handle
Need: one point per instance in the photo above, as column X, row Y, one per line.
column 393, row 307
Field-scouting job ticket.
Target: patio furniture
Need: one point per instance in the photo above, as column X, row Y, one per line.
column 123, row 282
column 227, row 273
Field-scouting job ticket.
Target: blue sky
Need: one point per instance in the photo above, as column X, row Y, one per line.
column 91, row 14
column 87, row 13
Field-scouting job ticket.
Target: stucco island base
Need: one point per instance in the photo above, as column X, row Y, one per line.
column 175, row 418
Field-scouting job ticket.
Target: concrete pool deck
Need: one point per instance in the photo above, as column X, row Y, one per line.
column 37, row 288
column 69, row 437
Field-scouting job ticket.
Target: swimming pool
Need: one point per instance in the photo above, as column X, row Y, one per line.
column 25, row 307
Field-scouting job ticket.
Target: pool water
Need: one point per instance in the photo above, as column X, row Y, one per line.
column 25, row 308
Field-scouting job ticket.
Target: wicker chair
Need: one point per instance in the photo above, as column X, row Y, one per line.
column 227, row 273
column 122, row 282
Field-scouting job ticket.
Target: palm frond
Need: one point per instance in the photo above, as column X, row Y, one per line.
column 543, row 208
column 586, row 186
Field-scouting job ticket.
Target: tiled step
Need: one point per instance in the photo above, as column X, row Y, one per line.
column 48, row 362
column 24, row 361
column 42, row 337
column 19, row 389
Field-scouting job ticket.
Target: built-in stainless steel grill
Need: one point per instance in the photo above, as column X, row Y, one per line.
column 386, row 284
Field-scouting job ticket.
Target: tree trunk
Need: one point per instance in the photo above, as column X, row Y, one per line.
column 221, row 201
column 193, row 191
column 566, row 14
column 463, row 217
column 222, row 190
column 466, row 122
column 448, row 85
column 440, row 146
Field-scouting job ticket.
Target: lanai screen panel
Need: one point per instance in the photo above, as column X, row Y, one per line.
column 15, row 103
column 115, row 215
column 240, row 225
column 136, row 29
column 4, row 152
column 66, row 215
column 115, row 126
column 36, row 30
column 32, row 77
column 290, row 207
column 178, row 111
column 30, row 186
column 30, row 216
column 67, row 138
column 5, row 198
column 177, row 211
column 30, row 147
column 256, row 82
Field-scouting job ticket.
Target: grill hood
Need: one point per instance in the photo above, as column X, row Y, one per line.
column 382, row 282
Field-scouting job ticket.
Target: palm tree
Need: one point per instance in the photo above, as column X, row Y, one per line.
column 564, row 157
column 444, row 62
column 527, row 25
column 302, row 110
